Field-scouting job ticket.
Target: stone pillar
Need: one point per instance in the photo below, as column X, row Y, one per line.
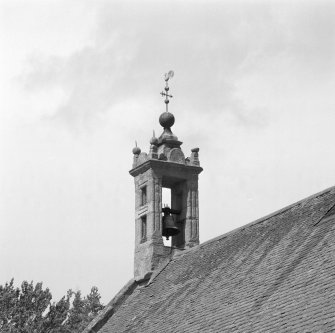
column 178, row 202
column 157, row 206
column 192, row 214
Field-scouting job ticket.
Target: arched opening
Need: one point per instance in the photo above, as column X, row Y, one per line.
column 166, row 201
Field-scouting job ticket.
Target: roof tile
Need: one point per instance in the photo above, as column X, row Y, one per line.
column 274, row 275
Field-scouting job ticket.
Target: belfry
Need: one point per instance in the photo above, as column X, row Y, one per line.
column 165, row 166
column 273, row 275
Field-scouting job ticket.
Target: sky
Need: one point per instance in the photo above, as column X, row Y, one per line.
column 79, row 83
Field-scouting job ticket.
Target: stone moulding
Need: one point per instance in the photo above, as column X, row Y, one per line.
column 170, row 166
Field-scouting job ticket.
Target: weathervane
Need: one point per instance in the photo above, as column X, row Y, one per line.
column 167, row 76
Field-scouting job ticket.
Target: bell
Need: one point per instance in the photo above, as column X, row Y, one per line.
column 169, row 225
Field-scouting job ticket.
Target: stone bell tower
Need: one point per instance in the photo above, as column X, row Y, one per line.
column 164, row 166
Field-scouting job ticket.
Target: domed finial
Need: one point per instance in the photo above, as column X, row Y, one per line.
column 167, row 77
column 166, row 119
column 154, row 140
column 136, row 150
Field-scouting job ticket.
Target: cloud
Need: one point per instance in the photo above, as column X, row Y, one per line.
column 249, row 88
column 210, row 46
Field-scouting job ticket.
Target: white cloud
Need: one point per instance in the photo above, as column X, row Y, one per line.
column 253, row 88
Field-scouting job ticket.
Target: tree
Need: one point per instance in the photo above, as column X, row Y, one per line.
column 55, row 319
column 94, row 305
column 22, row 310
column 84, row 310
column 77, row 314
column 8, row 303
column 29, row 309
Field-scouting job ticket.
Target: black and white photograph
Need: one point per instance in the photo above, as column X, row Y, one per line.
column 167, row 166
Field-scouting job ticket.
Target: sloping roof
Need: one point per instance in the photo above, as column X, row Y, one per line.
column 276, row 274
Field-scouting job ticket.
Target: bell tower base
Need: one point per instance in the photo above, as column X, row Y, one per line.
column 148, row 257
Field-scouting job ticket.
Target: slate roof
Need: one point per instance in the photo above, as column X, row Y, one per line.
column 276, row 274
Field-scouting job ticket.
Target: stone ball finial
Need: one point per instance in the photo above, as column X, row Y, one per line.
column 154, row 141
column 166, row 119
column 136, row 150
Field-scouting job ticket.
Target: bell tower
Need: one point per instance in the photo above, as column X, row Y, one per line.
column 165, row 166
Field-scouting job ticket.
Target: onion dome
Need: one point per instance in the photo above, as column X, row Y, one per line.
column 166, row 119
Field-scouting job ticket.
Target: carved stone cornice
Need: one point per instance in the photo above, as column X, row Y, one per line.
column 167, row 167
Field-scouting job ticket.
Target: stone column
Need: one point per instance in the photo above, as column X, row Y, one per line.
column 178, row 202
column 192, row 214
column 157, row 206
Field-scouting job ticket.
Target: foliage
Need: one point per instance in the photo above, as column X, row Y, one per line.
column 29, row 309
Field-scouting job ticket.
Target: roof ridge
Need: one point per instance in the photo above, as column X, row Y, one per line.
column 262, row 219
